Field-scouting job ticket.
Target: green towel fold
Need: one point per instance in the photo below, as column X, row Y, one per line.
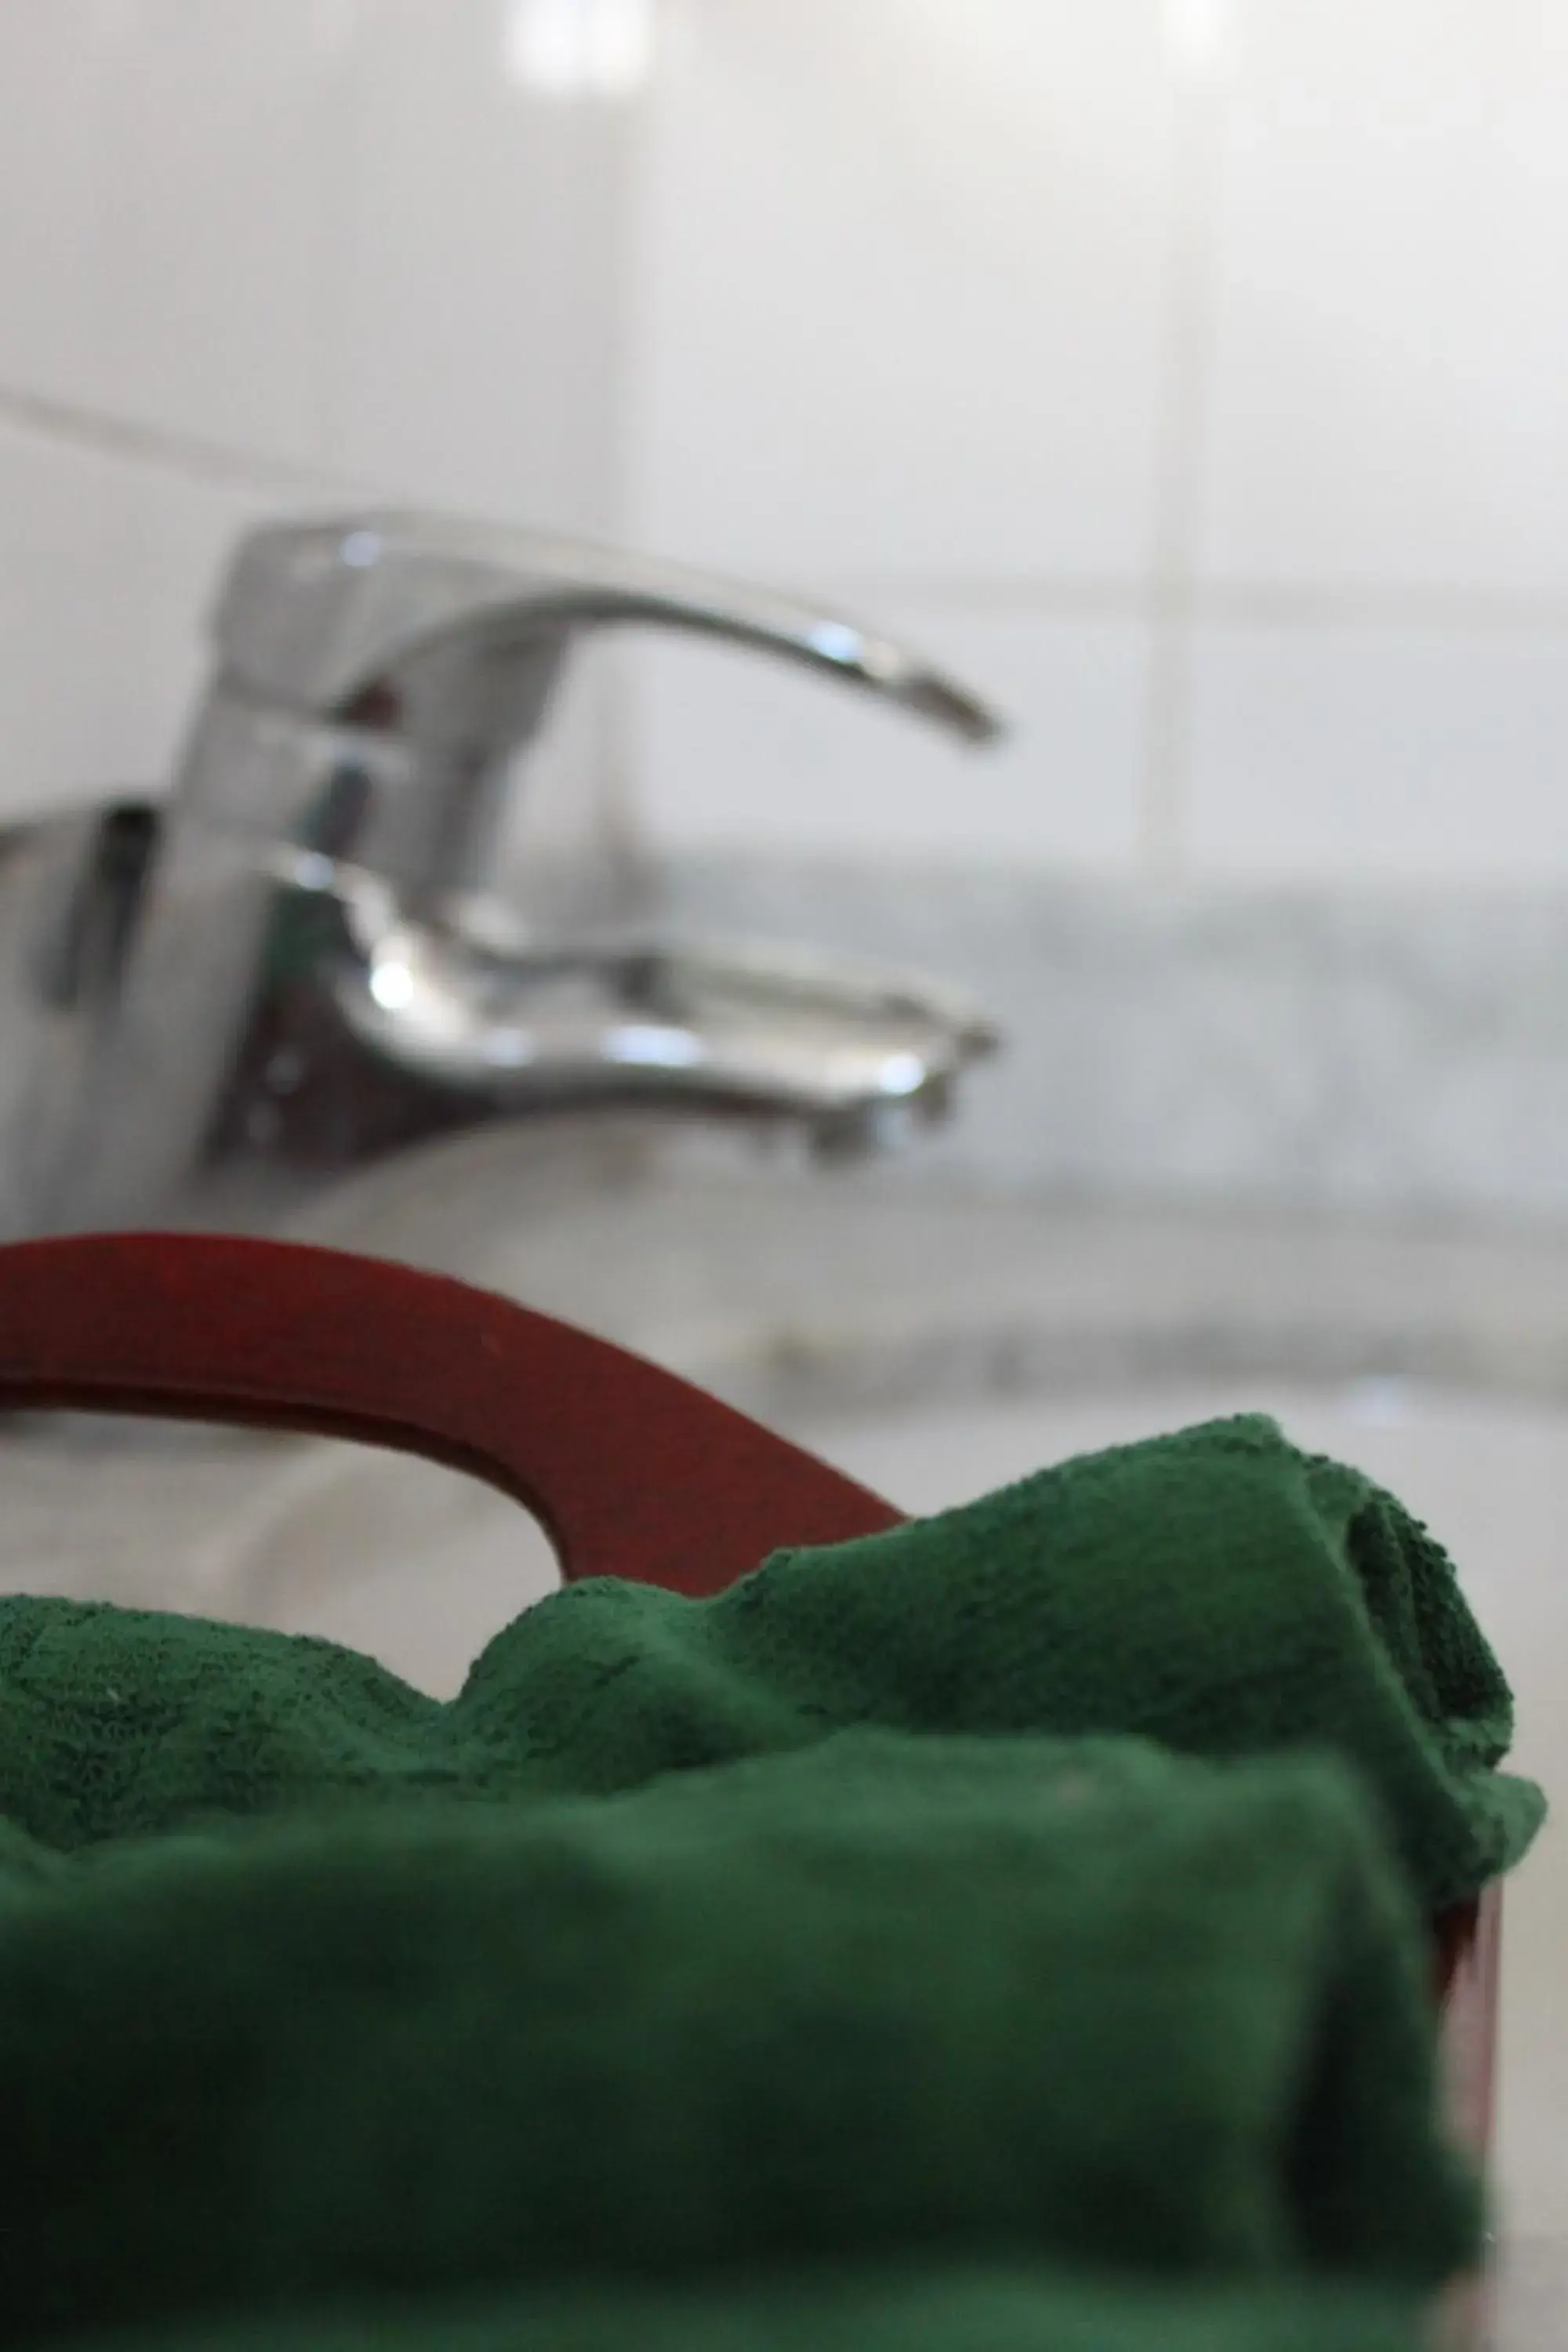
column 1215, row 1591
column 313, row 1987
column 914, row 2307
column 1076, row 1998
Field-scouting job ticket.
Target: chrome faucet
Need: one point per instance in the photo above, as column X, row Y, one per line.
column 297, row 964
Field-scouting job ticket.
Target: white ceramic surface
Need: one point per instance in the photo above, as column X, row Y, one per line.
column 475, row 342
column 1120, row 342
column 55, row 600
column 738, row 750
column 255, row 261
column 1380, row 752
column 107, row 568
column 215, row 281
column 57, row 71
column 1388, row 353
column 902, row 290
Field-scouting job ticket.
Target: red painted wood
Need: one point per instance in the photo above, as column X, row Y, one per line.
column 632, row 1472
column 1469, row 1953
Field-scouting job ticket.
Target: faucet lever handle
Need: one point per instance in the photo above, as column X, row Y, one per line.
column 317, row 616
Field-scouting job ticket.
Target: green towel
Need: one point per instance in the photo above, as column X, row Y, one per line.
column 1027, row 1997
column 913, row 2307
column 313, row 1987
column 1215, row 1591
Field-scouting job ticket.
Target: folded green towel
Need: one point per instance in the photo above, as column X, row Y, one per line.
column 1078, row 1997
column 913, row 2307
column 1215, row 1591
column 637, row 1960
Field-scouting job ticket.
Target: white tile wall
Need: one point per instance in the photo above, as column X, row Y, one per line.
column 166, row 538
column 215, row 256
column 162, row 177
column 902, row 290
column 741, row 750
column 107, row 568
column 481, row 294
column 54, row 618
column 1189, row 369
column 261, row 260
column 1380, row 750
column 1390, row 365
column 56, row 79
column 1279, row 277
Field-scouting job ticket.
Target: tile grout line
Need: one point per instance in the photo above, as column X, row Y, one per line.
column 1168, row 595
column 1273, row 604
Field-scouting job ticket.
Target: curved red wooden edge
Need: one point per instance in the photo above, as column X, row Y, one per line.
column 1469, row 1953
column 633, row 1472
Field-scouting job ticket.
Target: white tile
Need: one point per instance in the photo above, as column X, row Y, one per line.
column 1391, row 348
column 900, row 285
column 739, row 749
column 1381, row 751
column 57, row 73
column 220, row 232
column 54, row 623
column 105, row 574
column 165, row 180
column 479, row 363
column 168, row 540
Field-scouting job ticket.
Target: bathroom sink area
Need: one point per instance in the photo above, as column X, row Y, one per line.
column 933, row 1347
column 870, row 700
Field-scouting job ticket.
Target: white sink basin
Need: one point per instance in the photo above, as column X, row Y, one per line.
column 932, row 1352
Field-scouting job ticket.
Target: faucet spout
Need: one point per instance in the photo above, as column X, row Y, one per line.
column 325, row 618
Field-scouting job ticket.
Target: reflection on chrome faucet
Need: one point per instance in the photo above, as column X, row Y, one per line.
column 295, row 967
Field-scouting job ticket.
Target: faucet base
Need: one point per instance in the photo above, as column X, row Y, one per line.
column 371, row 1030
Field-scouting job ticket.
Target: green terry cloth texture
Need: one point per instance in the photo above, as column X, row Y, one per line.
column 1003, row 1999
column 1215, row 1591
column 832, row 1920
column 910, row 2308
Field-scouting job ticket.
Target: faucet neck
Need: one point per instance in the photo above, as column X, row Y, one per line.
column 408, row 782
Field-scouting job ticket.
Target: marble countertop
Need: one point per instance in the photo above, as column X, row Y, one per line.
column 806, row 1292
